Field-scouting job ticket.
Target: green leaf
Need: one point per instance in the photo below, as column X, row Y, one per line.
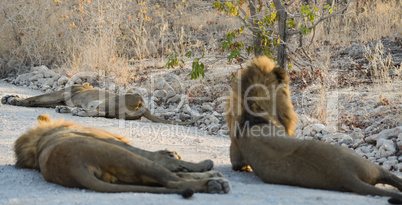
column 326, row 6
column 315, row 8
column 189, row 54
column 312, row 17
column 273, row 16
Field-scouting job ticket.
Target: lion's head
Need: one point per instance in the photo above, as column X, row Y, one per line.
column 261, row 94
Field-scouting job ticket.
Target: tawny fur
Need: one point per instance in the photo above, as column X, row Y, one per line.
column 86, row 101
column 261, row 138
column 85, row 157
column 263, row 72
column 26, row 147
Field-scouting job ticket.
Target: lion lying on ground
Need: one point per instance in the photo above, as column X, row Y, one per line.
column 84, row 157
column 261, row 122
column 86, row 101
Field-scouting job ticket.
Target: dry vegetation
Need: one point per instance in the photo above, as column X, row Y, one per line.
column 111, row 36
column 83, row 35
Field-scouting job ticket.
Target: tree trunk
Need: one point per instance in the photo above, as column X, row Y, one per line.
column 281, row 12
column 257, row 37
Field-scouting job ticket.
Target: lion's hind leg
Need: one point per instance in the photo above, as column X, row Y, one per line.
column 81, row 112
column 199, row 175
column 360, row 187
column 11, row 99
column 87, row 178
column 391, row 179
column 46, row 100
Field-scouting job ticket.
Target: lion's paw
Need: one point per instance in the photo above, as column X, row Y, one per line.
column 218, row 186
column 63, row 109
column 79, row 112
column 206, row 165
column 213, row 174
column 11, row 100
column 169, row 153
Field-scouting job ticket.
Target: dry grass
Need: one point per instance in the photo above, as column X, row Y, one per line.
column 81, row 35
column 363, row 22
column 109, row 36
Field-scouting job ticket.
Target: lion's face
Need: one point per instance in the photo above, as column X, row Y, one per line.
column 261, row 92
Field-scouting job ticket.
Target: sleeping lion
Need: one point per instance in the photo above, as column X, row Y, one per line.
column 261, row 124
column 85, row 157
column 86, row 101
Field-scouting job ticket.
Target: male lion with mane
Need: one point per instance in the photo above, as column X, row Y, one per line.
column 86, row 101
column 261, row 124
column 85, row 157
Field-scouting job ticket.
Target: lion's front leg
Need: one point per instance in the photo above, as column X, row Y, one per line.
column 87, row 113
column 171, row 160
column 236, row 158
column 63, row 109
column 169, row 153
column 176, row 165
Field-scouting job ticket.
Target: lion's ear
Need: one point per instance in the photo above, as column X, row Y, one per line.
column 281, row 74
column 44, row 118
column 87, row 85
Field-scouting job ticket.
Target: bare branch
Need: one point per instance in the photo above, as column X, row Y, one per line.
column 289, row 4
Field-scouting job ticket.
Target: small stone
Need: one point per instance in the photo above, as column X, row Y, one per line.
column 358, row 143
column 221, row 107
column 328, row 130
column 174, row 99
column 24, row 77
column 184, row 116
column 49, row 74
column 192, row 112
column 308, row 138
column 357, row 133
column 139, row 91
column 170, row 93
column 214, row 127
column 318, row 127
column 347, row 138
column 335, row 136
column 62, row 80
column 206, row 107
column 318, row 135
column 213, row 119
column 389, row 164
column 160, row 93
column 385, row 134
column 307, row 130
column 36, row 77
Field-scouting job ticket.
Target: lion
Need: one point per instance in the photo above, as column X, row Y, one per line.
column 261, row 123
column 85, row 157
column 86, row 101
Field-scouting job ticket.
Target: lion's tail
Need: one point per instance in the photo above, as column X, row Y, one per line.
column 89, row 181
